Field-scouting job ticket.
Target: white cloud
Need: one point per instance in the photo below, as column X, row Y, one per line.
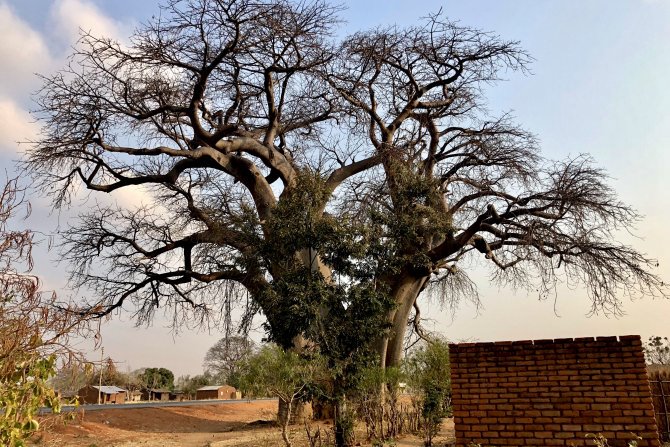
column 23, row 53
column 132, row 197
column 16, row 125
column 71, row 16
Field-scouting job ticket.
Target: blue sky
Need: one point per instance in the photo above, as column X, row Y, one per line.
column 599, row 85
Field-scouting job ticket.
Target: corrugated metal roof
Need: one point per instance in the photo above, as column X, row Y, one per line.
column 210, row 388
column 109, row 389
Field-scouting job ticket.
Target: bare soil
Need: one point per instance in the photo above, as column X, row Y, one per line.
column 242, row 424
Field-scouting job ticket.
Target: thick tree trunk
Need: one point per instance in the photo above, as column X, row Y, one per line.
column 344, row 424
column 405, row 292
column 300, row 412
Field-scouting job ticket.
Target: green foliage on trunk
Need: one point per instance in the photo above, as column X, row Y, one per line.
column 413, row 221
column 324, row 285
column 326, row 288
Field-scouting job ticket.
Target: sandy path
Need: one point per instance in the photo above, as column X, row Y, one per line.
column 239, row 424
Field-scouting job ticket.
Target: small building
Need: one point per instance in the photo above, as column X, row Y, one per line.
column 106, row 394
column 216, row 392
column 133, row 396
column 67, row 397
column 178, row 395
column 155, row 394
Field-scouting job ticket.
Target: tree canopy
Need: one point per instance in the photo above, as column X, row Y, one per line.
column 158, row 378
column 303, row 175
column 222, row 358
column 657, row 350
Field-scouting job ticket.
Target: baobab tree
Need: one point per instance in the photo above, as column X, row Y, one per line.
column 284, row 161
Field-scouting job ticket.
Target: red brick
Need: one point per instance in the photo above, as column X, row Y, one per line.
column 534, row 390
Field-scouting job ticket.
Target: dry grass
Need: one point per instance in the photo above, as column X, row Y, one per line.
column 663, row 370
column 240, row 424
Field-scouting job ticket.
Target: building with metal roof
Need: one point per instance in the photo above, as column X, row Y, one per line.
column 216, row 392
column 106, row 394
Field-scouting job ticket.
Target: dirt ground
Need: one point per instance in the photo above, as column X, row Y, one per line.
column 242, row 424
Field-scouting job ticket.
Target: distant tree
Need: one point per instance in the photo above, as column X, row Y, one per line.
column 109, row 374
column 190, row 384
column 34, row 329
column 158, row 378
column 278, row 373
column 134, row 380
column 71, row 378
column 657, row 350
column 221, row 359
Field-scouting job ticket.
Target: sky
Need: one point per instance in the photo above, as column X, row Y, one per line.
column 599, row 85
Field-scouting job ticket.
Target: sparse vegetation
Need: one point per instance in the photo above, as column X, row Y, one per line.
column 599, row 440
column 427, row 372
column 34, row 330
column 282, row 374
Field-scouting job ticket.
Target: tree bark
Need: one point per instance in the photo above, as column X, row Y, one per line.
column 285, row 419
column 299, row 412
column 405, row 292
column 344, row 429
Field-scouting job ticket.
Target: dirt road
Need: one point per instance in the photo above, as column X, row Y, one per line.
column 242, row 424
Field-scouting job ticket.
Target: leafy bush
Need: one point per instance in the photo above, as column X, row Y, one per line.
column 427, row 372
column 278, row 373
column 21, row 395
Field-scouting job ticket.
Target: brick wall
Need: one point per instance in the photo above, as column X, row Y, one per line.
column 551, row 392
